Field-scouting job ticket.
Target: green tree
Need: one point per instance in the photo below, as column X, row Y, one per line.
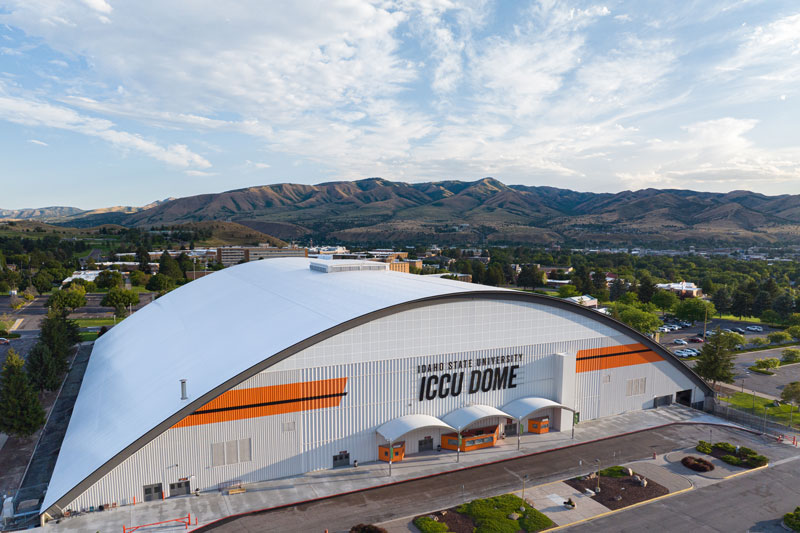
column 616, row 290
column 742, row 303
column 169, row 267
column 790, row 355
column 759, row 341
column 791, row 393
column 646, row 288
column 723, row 300
column 640, row 320
column 715, row 362
column 143, row 257
column 530, row 276
column 160, row 283
column 42, row 281
column 629, row 298
column 567, row 291
column 694, row 309
column 664, row 300
column 794, row 332
column 44, row 371
column 67, row 300
column 60, row 335
column 21, row 414
column 108, row 278
column 494, row 275
column 761, row 303
column 120, row 299
column 783, row 305
column 138, row 278
column 777, row 337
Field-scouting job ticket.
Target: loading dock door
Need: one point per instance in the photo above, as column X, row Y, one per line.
column 180, row 488
column 341, row 459
column 684, row 397
column 152, row 492
column 426, row 444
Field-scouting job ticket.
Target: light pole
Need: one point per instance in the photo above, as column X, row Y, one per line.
column 598, row 476
column 524, row 479
column 764, row 429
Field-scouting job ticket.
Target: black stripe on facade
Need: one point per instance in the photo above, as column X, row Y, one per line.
column 611, row 355
column 265, row 404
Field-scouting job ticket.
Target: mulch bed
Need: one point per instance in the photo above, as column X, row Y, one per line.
column 457, row 523
column 717, row 453
column 626, row 487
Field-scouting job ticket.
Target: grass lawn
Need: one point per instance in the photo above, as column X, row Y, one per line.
column 96, row 322
column 88, row 336
column 744, row 402
column 753, row 319
column 491, row 515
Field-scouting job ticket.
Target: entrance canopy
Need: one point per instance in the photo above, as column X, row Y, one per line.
column 394, row 429
column 463, row 417
column 524, row 407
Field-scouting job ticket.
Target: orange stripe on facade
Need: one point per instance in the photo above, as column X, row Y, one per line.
column 242, row 404
column 615, row 357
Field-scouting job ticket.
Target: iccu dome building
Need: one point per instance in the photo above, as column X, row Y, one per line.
column 293, row 365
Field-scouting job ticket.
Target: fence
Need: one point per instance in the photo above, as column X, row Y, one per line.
column 758, row 421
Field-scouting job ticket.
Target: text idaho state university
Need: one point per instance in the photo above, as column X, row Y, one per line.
column 488, row 379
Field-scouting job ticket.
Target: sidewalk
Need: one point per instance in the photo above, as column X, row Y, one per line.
column 212, row 506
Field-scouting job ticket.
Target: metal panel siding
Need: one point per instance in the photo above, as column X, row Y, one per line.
column 380, row 360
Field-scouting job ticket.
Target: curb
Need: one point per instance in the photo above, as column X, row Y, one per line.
column 221, row 521
column 607, row 513
column 748, row 471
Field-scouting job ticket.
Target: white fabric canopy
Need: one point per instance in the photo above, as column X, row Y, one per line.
column 463, row 417
column 394, row 429
column 524, row 407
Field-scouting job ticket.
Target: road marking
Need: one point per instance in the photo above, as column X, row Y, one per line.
column 17, row 324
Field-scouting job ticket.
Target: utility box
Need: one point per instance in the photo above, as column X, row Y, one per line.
column 539, row 425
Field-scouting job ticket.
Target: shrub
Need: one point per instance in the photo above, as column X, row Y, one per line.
column 535, row 520
column 614, row 471
column 726, row 447
column 754, row 461
column 732, row 460
column 777, row 337
column 745, row 451
column 426, row 524
column 792, row 520
column 369, row 528
column 769, row 362
column 761, row 370
column 759, row 341
column 697, row 464
column 703, row 447
column 791, row 355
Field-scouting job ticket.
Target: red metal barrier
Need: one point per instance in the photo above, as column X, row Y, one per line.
column 185, row 520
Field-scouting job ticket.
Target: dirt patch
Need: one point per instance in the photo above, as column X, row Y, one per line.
column 618, row 492
column 457, row 523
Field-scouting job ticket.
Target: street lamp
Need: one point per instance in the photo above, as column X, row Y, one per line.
column 598, row 476
column 524, row 479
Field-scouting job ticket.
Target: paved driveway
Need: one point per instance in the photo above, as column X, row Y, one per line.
column 753, row 502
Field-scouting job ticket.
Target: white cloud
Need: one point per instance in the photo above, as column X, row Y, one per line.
column 41, row 114
column 40, row 143
column 256, row 164
column 98, row 5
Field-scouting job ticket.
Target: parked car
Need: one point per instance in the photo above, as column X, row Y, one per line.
column 685, row 325
column 684, row 353
column 726, row 330
column 680, row 341
column 674, row 327
column 693, row 351
column 739, row 330
column 696, row 339
column 754, row 328
column 3, row 340
column 664, row 329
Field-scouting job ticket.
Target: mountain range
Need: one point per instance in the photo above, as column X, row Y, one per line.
column 373, row 211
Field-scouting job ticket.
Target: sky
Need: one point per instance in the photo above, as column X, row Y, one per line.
column 105, row 102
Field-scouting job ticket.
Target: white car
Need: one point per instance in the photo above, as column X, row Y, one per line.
column 754, row 328
column 692, row 351
column 664, row 329
column 681, row 342
column 683, row 353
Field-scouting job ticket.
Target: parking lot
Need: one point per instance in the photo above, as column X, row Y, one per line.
column 668, row 339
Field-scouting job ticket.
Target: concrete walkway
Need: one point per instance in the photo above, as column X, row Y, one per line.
column 212, row 506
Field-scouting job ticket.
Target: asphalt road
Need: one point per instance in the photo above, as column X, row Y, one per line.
column 753, row 502
column 447, row 490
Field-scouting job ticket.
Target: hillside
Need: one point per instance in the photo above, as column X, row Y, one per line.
column 375, row 210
